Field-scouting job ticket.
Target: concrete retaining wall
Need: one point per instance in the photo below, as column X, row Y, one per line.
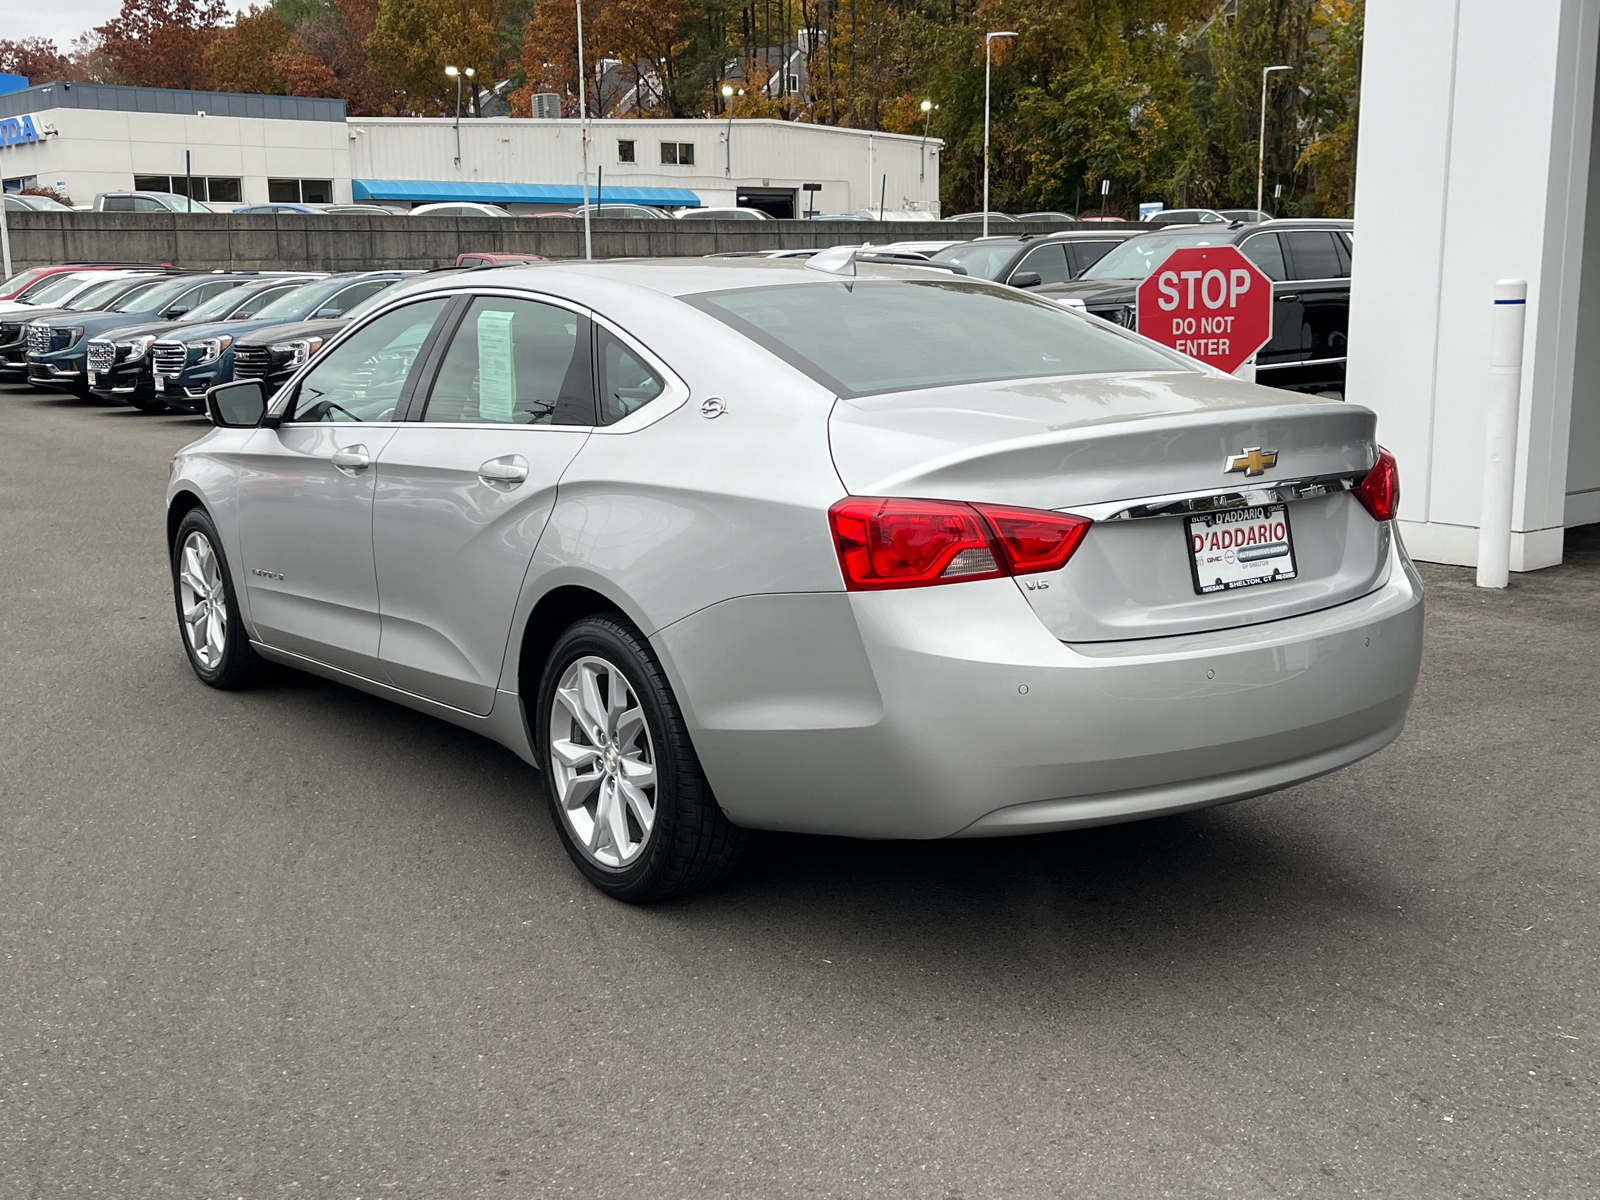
column 282, row 241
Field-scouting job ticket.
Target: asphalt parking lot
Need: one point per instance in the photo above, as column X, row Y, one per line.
column 299, row 942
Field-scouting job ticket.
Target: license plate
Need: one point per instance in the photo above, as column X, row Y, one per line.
column 91, row 378
column 161, row 384
column 1239, row 548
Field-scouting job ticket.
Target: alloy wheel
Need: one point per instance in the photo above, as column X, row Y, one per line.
column 203, row 600
column 602, row 762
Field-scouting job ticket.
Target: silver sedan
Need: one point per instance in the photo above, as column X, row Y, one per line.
column 723, row 545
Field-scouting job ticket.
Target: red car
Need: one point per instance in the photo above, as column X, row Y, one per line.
column 22, row 280
column 496, row 260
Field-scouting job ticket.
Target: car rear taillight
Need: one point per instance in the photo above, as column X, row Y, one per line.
column 900, row 543
column 1379, row 492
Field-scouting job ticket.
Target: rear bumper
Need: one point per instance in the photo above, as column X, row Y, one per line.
column 952, row 711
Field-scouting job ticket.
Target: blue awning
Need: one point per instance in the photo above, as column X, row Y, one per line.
column 424, row 190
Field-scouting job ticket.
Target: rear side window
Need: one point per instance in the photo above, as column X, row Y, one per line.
column 1050, row 261
column 1085, row 254
column 626, row 383
column 515, row 362
column 867, row 336
column 1264, row 250
column 118, row 204
column 260, row 300
column 1341, row 243
column 343, row 301
column 1313, row 255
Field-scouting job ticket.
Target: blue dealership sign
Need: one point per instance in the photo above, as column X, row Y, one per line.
column 14, row 131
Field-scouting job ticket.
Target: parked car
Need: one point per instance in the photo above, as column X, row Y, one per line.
column 955, row 507
column 625, row 212
column 458, row 208
column 305, row 210
column 140, row 201
column 1308, row 262
column 1186, row 216
column 836, row 217
column 21, row 285
column 487, row 258
column 58, row 352
column 923, row 247
column 1046, row 216
column 118, row 362
column 356, row 209
column 994, row 217
column 182, row 368
column 97, row 292
column 721, row 214
column 53, row 290
column 1250, row 216
column 15, row 203
column 1030, row 260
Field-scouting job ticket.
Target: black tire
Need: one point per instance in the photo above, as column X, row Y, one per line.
column 691, row 844
column 237, row 663
column 145, row 403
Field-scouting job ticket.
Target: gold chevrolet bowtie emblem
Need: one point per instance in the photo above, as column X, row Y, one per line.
column 1253, row 460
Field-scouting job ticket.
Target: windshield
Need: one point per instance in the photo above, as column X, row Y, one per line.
column 1137, row 257
column 295, row 305
column 381, row 296
column 220, row 305
column 154, row 299
column 46, row 204
column 868, row 336
column 53, row 287
column 983, row 259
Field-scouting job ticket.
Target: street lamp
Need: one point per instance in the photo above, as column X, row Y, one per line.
column 1261, row 146
column 988, row 55
column 922, row 151
column 453, row 73
column 583, row 116
column 728, row 93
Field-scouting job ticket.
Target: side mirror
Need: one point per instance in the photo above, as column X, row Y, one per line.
column 1026, row 279
column 173, row 313
column 238, row 405
column 328, row 313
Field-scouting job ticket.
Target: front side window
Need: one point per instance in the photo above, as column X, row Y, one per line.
column 515, row 362
column 1050, row 261
column 864, row 337
column 361, row 379
column 1264, row 250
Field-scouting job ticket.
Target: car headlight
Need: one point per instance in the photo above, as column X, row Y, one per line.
column 294, row 354
column 136, row 349
column 210, row 348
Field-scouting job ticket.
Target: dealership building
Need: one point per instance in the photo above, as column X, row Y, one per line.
column 83, row 139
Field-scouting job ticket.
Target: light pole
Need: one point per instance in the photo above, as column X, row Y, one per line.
column 583, row 117
column 728, row 93
column 453, row 73
column 1261, row 146
column 927, row 115
column 988, row 57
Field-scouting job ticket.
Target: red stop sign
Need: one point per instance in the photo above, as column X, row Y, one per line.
column 1209, row 302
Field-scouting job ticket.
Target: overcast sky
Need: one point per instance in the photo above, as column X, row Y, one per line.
column 64, row 20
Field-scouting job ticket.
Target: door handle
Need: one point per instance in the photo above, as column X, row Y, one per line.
column 509, row 468
column 1289, row 299
column 351, row 458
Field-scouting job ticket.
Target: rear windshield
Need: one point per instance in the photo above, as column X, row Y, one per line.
column 1138, row 256
column 983, row 260
column 872, row 336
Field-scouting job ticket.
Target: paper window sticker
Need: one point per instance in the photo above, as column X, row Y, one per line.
column 497, row 370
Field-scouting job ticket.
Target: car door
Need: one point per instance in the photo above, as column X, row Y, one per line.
column 465, row 491
column 1084, row 253
column 1320, row 272
column 306, row 489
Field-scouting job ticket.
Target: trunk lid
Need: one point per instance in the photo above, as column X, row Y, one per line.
column 1106, row 444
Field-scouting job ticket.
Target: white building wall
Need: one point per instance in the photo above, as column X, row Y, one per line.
column 1473, row 166
column 849, row 163
column 95, row 150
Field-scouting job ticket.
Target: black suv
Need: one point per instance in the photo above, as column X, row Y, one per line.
column 1309, row 265
column 1032, row 260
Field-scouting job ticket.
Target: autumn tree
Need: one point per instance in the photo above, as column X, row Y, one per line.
column 37, row 58
column 162, row 43
column 414, row 40
column 241, row 59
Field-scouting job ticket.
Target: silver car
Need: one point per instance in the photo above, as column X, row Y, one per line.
column 841, row 548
